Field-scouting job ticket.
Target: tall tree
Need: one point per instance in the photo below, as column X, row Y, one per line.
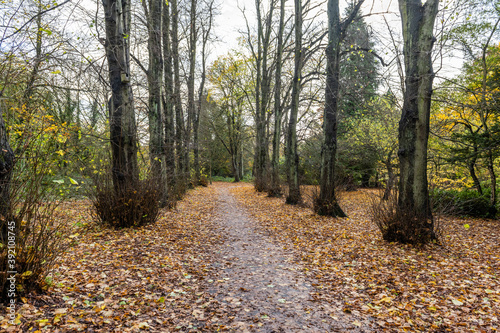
column 418, row 25
column 191, row 110
column 205, row 28
column 326, row 203
column 168, row 103
column 153, row 12
column 275, row 188
column 229, row 78
column 123, row 136
column 262, row 95
column 292, row 157
column 179, row 115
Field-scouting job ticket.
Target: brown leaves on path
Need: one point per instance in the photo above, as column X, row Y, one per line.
column 131, row 280
column 454, row 287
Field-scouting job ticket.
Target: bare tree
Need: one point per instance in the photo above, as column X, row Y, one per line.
column 205, row 31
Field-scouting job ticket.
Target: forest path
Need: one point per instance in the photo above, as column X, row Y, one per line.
column 260, row 282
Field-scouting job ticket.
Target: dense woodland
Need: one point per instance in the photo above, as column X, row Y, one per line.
column 130, row 105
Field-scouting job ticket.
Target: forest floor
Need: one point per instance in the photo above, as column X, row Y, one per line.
column 230, row 259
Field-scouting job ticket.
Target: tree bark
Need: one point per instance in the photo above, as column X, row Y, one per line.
column 262, row 95
column 190, row 84
column 259, row 120
column 390, row 176
column 471, row 165
column 418, row 23
column 179, row 114
column 168, row 105
column 493, row 179
column 327, row 203
column 6, row 166
column 292, row 157
column 30, row 87
column 123, row 136
column 155, row 78
column 275, row 188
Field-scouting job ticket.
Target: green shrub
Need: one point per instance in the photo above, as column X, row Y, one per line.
column 462, row 203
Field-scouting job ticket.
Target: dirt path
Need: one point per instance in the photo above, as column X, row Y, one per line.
column 259, row 281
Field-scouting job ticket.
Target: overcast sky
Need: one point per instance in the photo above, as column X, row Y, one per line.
column 231, row 20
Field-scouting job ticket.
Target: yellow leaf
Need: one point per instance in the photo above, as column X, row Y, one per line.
column 26, row 274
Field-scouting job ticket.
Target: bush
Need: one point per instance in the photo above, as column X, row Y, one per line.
column 203, row 181
column 135, row 206
column 31, row 239
column 462, row 203
column 402, row 225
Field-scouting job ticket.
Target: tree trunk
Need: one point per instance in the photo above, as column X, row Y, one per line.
column 201, row 94
column 262, row 94
column 259, row 164
column 190, row 83
column 155, row 76
column 471, row 165
column 123, row 135
column 179, row 116
column 275, row 188
column 168, row 102
column 493, row 179
column 292, row 157
column 6, row 166
column 390, row 176
column 418, row 23
column 327, row 203
column 37, row 61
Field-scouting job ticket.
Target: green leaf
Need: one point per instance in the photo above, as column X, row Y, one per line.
column 466, row 226
column 74, row 182
column 58, row 181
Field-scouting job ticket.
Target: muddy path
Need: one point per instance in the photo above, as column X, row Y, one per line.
column 265, row 290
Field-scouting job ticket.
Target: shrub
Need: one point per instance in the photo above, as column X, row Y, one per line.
column 462, row 203
column 31, row 239
column 398, row 224
column 203, row 181
column 134, row 206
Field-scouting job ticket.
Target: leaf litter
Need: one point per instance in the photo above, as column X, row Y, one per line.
column 230, row 259
column 390, row 287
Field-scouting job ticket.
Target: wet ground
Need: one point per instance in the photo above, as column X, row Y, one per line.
column 260, row 282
